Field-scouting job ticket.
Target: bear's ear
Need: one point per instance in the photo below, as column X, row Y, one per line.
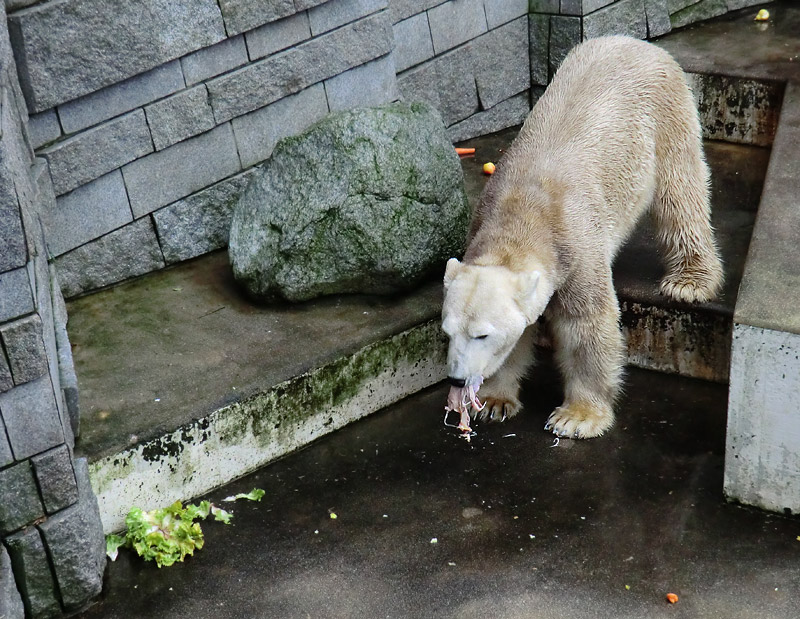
column 527, row 283
column 453, row 267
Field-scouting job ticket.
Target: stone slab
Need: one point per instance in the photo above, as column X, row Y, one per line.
column 546, row 6
column 66, row 364
column 258, row 132
column 56, row 478
column 32, row 572
column 119, row 255
column 571, row 7
column 121, row 97
column 6, row 456
column 88, row 212
column 43, row 128
column 214, row 60
column 735, row 5
column 413, row 43
column 330, row 15
column 13, row 250
column 565, row 33
column 70, row 48
column 76, row 544
column 403, row 9
column 24, row 347
column 499, row 12
column 677, row 5
column 278, row 35
column 16, row 297
column 624, row 17
column 657, row 14
column 370, row 84
column 590, row 6
column 242, row 15
column 447, row 82
column 97, row 151
column 288, row 72
column 705, row 9
column 456, row 22
column 502, row 63
column 31, row 417
column 20, row 504
column 302, row 5
column 200, row 223
column 539, row 46
column 509, row 113
column 6, row 382
column 180, row 116
column 11, row 606
column 180, row 170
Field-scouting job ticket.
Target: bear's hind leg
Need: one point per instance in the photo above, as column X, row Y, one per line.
column 682, row 215
column 589, row 353
column 500, row 392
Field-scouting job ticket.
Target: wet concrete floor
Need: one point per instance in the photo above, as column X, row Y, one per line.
column 603, row 528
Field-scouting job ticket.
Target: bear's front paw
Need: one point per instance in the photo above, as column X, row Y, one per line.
column 498, row 409
column 580, row 420
column 690, row 287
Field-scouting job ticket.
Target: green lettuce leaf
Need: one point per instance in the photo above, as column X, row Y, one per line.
column 254, row 495
column 113, row 542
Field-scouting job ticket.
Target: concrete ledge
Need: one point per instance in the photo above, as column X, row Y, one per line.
column 675, row 340
column 770, row 293
column 762, row 460
column 239, row 438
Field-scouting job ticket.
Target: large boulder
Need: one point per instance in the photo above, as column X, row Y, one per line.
column 369, row 200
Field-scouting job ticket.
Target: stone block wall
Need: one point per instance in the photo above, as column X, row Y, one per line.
column 151, row 114
column 468, row 58
column 558, row 25
column 52, row 550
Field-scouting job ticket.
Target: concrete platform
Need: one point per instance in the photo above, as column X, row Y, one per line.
column 523, row 529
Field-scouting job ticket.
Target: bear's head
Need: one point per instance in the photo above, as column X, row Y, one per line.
column 486, row 310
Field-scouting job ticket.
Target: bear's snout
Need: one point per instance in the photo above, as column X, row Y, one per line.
column 457, row 382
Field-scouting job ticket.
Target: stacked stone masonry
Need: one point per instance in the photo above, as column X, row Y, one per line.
column 150, row 114
column 47, row 510
column 128, row 131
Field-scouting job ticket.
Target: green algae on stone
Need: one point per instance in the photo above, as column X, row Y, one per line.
column 368, row 200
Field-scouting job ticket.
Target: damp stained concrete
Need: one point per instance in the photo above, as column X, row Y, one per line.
column 523, row 527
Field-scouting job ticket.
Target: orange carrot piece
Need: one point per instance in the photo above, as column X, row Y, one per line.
column 464, row 151
column 672, row 598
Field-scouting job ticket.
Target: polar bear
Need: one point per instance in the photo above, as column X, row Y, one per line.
column 615, row 134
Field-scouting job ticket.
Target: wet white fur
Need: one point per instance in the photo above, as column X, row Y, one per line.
column 615, row 135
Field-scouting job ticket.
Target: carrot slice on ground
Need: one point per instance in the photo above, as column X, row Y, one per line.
column 464, row 151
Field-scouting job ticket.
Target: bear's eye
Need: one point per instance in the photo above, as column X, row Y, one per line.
column 480, row 337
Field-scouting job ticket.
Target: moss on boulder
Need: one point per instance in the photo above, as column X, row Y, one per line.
column 369, row 200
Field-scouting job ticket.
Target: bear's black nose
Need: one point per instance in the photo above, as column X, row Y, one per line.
column 456, row 382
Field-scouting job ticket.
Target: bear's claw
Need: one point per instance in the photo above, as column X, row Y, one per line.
column 497, row 409
column 580, row 420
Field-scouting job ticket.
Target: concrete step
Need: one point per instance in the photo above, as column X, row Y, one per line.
column 185, row 385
